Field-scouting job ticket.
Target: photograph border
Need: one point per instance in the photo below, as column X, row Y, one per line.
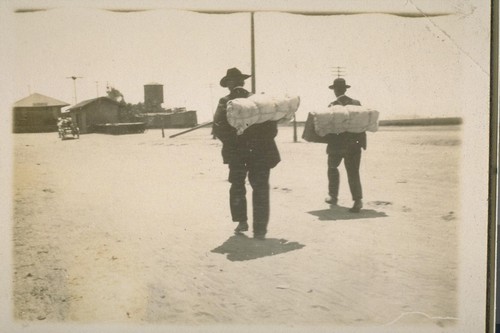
column 492, row 228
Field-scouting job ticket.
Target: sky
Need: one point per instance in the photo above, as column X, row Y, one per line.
column 403, row 67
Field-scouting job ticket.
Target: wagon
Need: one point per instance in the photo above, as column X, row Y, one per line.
column 69, row 131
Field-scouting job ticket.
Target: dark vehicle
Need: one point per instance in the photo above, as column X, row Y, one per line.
column 67, row 129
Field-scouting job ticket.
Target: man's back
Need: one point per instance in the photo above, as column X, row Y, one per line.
column 257, row 141
column 345, row 100
column 346, row 140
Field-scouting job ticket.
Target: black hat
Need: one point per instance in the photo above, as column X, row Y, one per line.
column 339, row 83
column 233, row 74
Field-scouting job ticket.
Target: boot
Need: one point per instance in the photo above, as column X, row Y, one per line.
column 356, row 208
column 331, row 200
column 259, row 230
column 242, row 226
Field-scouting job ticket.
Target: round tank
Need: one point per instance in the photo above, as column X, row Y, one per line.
column 153, row 94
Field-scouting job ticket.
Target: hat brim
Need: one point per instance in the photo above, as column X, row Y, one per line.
column 223, row 81
column 346, row 86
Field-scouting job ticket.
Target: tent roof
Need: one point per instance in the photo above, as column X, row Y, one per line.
column 38, row 100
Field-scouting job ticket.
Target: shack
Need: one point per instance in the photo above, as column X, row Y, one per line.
column 181, row 119
column 36, row 113
column 92, row 112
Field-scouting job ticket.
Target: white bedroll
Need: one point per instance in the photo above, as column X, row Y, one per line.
column 256, row 109
column 350, row 118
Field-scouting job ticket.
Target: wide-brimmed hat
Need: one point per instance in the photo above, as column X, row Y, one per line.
column 339, row 83
column 233, row 74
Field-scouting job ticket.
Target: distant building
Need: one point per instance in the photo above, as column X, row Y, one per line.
column 157, row 117
column 96, row 111
column 153, row 96
column 36, row 113
column 181, row 119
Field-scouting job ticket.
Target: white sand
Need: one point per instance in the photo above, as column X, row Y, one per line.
column 136, row 228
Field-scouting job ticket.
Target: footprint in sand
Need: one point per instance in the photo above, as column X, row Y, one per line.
column 176, row 144
column 448, row 217
column 283, row 189
column 202, row 313
column 320, row 307
column 380, row 203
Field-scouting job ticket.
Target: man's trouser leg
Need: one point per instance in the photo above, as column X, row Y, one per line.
column 237, row 192
column 258, row 177
column 333, row 174
column 352, row 161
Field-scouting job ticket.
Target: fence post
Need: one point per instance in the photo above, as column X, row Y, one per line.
column 294, row 129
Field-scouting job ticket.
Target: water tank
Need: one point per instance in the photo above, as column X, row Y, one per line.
column 153, row 94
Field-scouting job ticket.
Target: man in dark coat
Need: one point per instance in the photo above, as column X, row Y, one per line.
column 344, row 146
column 254, row 153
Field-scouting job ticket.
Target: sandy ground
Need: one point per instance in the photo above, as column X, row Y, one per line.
column 136, row 229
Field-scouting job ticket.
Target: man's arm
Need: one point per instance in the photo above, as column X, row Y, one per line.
column 221, row 127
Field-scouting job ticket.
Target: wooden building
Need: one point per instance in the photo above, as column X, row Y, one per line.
column 182, row 119
column 96, row 111
column 36, row 113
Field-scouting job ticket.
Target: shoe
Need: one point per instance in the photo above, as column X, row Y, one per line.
column 356, row 208
column 259, row 236
column 330, row 200
column 242, row 226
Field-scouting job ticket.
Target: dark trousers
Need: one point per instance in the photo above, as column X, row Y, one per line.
column 352, row 160
column 258, row 176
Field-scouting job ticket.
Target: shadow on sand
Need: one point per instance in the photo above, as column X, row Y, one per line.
column 342, row 213
column 240, row 247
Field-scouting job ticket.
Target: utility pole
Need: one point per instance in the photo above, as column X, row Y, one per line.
column 294, row 129
column 74, row 84
column 252, row 50
column 339, row 71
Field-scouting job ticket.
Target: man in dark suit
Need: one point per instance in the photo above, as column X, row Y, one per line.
column 254, row 153
column 344, row 146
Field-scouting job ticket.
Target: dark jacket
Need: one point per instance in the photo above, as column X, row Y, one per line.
column 255, row 146
column 345, row 141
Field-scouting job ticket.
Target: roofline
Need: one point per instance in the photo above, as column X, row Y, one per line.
column 41, row 106
column 90, row 101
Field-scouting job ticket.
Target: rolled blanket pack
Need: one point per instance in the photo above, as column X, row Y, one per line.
column 350, row 118
column 256, row 109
